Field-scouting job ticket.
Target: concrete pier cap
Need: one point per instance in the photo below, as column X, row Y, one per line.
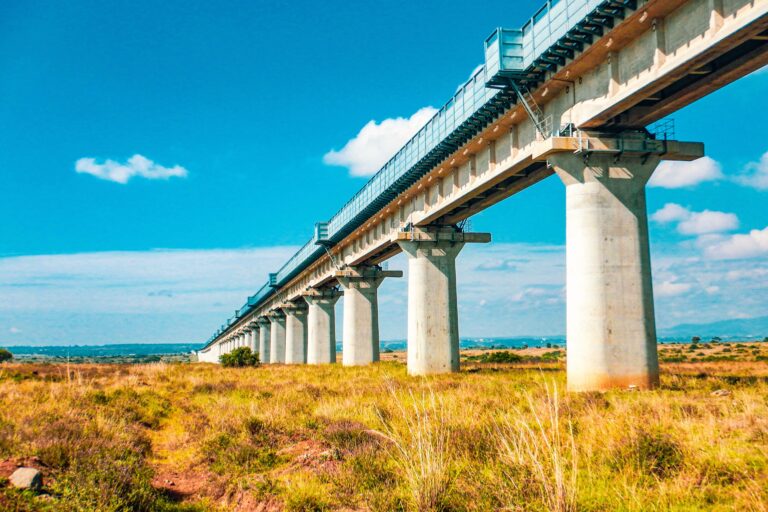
column 360, row 337
column 295, row 332
column 433, row 319
column 276, row 336
column 610, row 321
column 321, row 324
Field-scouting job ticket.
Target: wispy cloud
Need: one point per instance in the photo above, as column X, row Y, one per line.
column 755, row 174
column 184, row 295
column 692, row 288
column 376, row 143
column 161, row 295
column 136, row 166
column 671, row 174
column 671, row 289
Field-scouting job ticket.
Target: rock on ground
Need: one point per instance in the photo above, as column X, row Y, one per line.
column 26, row 478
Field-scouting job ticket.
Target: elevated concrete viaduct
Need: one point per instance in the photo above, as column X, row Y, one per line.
column 572, row 93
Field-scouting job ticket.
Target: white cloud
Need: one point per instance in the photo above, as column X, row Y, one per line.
column 671, row 289
column 672, row 174
column 747, row 273
column 137, row 165
column 696, row 223
column 671, row 212
column 376, row 143
column 700, row 223
column 755, row 174
column 739, row 246
column 14, row 330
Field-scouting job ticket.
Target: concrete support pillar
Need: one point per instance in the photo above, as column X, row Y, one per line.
column 611, row 330
column 360, row 338
column 321, row 325
column 277, row 337
column 264, row 339
column 295, row 332
column 253, row 340
column 433, row 317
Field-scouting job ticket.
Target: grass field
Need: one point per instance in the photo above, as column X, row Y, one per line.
column 497, row 436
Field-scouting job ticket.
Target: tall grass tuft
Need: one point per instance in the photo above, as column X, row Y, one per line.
column 540, row 455
column 419, row 433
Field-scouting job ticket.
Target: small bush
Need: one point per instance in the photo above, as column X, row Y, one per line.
column 306, row 495
column 652, row 452
column 551, row 356
column 5, row 355
column 241, row 356
column 501, row 357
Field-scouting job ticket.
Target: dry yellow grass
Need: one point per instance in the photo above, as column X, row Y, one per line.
column 493, row 437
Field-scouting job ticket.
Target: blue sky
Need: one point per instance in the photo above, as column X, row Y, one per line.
column 238, row 112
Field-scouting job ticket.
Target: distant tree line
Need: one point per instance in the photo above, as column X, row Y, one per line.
column 716, row 339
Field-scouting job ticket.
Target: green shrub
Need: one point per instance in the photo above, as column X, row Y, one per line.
column 551, row 356
column 241, row 356
column 5, row 355
column 652, row 452
column 230, row 453
column 501, row 357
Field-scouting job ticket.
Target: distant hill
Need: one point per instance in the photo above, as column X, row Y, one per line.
column 737, row 327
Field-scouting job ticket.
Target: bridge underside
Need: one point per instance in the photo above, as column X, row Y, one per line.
column 658, row 56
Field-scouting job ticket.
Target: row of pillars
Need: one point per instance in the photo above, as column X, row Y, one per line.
column 611, row 337
column 303, row 331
